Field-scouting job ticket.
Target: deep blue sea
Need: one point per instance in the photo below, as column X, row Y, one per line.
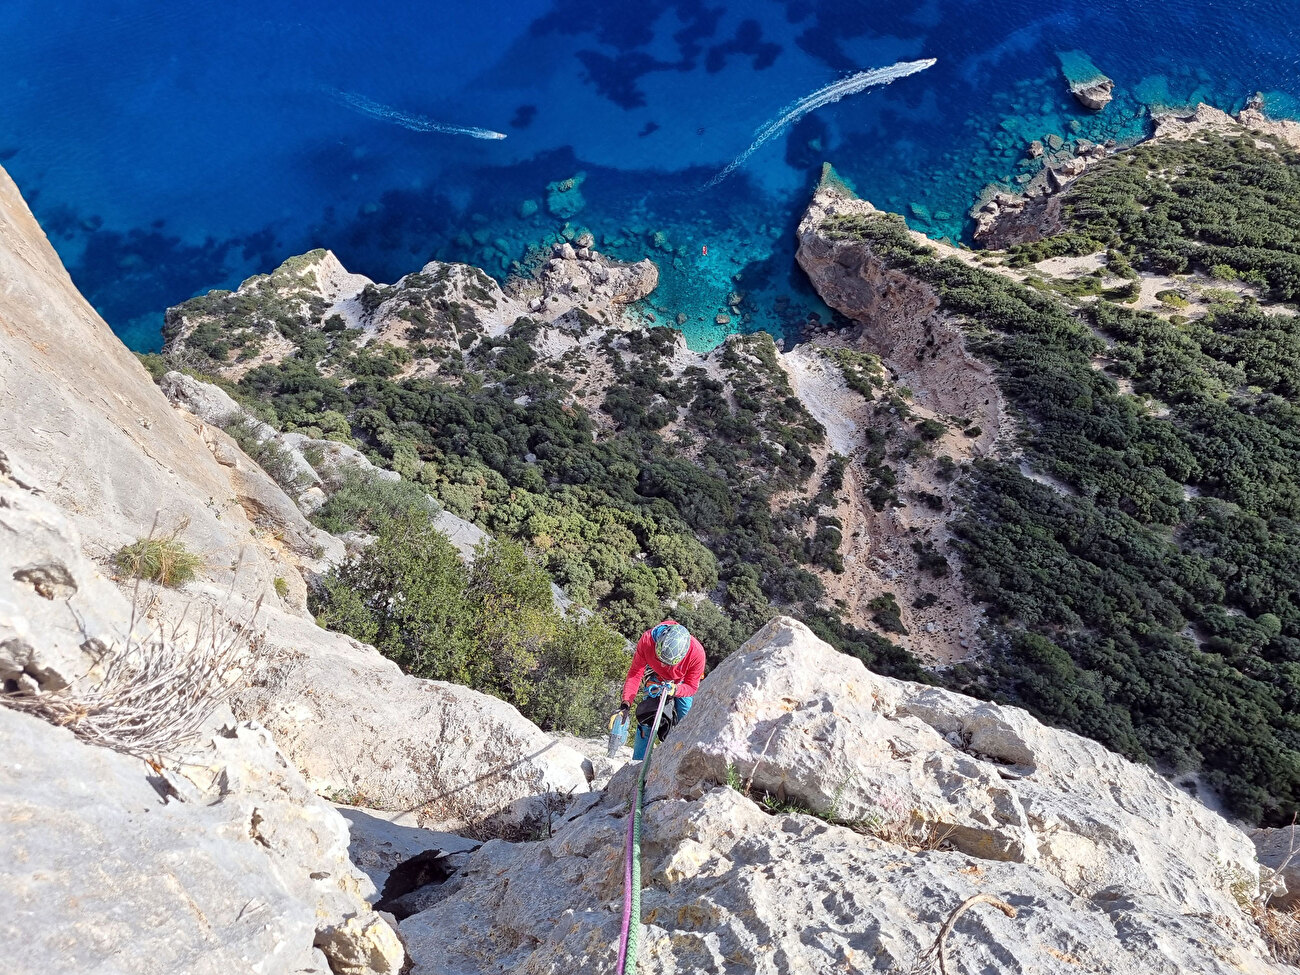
column 170, row 148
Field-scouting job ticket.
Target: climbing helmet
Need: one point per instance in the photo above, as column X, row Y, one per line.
column 672, row 642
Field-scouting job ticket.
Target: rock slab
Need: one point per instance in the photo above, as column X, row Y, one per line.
column 732, row 888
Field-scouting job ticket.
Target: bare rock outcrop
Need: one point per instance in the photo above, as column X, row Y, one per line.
column 735, row 886
column 588, row 277
column 51, row 597
column 454, row 304
column 363, row 732
column 94, row 430
column 1090, row 88
column 1207, row 119
column 900, row 315
column 842, row 740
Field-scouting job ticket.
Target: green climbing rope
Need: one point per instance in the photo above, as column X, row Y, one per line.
column 632, row 877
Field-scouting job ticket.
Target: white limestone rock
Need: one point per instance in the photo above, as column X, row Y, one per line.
column 53, row 601
column 849, row 742
column 249, row 875
column 1109, row 868
column 95, row 433
column 363, row 732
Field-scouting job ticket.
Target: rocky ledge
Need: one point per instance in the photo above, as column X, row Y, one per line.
column 810, row 815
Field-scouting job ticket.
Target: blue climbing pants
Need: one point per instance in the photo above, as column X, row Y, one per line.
column 681, row 706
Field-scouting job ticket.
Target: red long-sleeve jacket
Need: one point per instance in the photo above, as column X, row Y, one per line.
column 686, row 675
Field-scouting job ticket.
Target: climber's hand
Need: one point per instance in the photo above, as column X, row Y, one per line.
column 620, row 715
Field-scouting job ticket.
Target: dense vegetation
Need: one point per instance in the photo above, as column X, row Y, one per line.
column 1222, row 205
column 1152, row 602
column 661, row 498
column 490, row 625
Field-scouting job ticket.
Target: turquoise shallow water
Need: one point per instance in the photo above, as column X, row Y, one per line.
column 173, row 148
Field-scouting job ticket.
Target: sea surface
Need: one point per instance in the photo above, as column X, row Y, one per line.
column 171, row 148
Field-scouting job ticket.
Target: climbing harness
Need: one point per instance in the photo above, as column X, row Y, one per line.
column 627, row 939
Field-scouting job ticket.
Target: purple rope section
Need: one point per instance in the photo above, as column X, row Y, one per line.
column 627, row 895
column 632, row 868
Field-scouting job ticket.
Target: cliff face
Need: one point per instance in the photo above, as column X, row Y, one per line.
column 217, row 854
column 898, row 318
column 861, row 812
column 85, row 419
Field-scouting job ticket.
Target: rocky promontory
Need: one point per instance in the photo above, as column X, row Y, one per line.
column 811, row 816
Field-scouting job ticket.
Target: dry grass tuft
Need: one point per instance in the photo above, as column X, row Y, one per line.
column 156, row 693
column 1280, row 930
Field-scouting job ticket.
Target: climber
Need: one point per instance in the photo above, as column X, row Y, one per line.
column 671, row 662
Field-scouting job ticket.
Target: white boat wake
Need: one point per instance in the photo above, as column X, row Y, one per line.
column 822, row 96
column 416, row 123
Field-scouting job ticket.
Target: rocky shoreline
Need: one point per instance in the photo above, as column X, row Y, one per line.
column 1005, row 217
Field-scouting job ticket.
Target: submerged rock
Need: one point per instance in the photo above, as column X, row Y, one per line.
column 564, row 197
column 1091, row 88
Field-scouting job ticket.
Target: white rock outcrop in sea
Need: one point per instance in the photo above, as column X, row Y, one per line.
column 1092, row 89
column 1109, row 868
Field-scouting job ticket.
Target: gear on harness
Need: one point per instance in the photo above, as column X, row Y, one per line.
column 618, row 725
column 657, row 702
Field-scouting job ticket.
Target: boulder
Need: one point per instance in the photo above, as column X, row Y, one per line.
column 732, row 885
column 1095, row 95
column 841, row 741
column 363, row 732
column 250, row 874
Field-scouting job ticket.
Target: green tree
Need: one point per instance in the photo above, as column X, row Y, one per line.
column 406, row 595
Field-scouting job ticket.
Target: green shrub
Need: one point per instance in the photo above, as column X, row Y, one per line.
column 163, row 560
column 491, row 625
column 364, row 501
column 886, row 614
column 930, row 429
column 281, row 587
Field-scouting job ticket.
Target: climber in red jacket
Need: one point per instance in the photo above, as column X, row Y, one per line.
column 671, row 662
